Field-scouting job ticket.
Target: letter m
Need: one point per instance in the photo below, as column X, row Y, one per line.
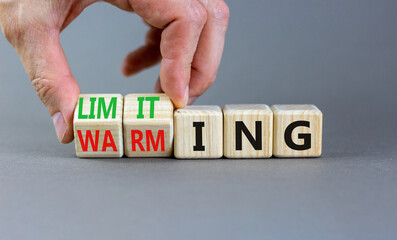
column 159, row 140
column 106, row 111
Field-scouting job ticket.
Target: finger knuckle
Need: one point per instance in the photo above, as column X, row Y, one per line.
column 19, row 26
column 221, row 12
column 10, row 30
column 43, row 88
column 197, row 14
column 16, row 30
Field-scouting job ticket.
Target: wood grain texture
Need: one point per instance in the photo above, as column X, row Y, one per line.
column 185, row 133
column 284, row 115
column 156, row 130
column 250, row 115
column 87, row 123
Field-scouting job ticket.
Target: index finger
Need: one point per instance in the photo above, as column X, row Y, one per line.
column 182, row 22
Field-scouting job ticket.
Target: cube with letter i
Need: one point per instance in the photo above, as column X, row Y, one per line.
column 198, row 132
column 297, row 131
column 148, row 125
column 98, row 125
column 248, row 131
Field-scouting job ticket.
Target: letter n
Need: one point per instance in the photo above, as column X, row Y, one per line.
column 255, row 142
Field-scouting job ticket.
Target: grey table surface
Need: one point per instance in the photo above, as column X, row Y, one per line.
column 339, row 55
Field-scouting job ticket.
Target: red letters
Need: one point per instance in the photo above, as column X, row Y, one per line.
column 149, row 140
column 160, row 138
column 94, row 144
column 88, row 137
column 135, row 141
column 108, row 134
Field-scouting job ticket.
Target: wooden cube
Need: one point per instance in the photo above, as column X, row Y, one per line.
column 148, row 125
column 248, row 131
column 198, row 132
column 297, row 131
column 98, row 125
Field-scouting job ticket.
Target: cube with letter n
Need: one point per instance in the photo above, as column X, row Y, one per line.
column 248, row 131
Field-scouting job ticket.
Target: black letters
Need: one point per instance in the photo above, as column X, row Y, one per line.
column 305, row 136
column 256, row 143
column 199, row 136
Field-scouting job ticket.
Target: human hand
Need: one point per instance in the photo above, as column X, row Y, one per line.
column 187, row 36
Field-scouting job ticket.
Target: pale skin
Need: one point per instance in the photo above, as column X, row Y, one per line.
column 186, row 36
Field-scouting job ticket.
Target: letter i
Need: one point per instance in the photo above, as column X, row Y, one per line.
column 92, row 110
column 140, row 108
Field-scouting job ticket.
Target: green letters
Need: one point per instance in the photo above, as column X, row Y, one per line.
column 92, row 110
column 140, row 108
column 106, row 112
column 152, row 101
column 101, row 108
column 81, row 115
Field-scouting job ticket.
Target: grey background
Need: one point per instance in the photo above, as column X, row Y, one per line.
column 339, row 55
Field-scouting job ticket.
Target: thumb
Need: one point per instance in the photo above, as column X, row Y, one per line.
column 48, row 69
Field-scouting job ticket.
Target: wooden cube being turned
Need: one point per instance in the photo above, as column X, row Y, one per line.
column 198, row 132
column 248, row 131
column 297, row 131
column 98, row 128
column 148, row 125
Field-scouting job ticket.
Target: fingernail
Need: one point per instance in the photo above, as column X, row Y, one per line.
column 60, row 125
column 191, row 100
column 187, row 95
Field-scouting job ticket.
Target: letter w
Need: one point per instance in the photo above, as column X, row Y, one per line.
column 88, row 138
